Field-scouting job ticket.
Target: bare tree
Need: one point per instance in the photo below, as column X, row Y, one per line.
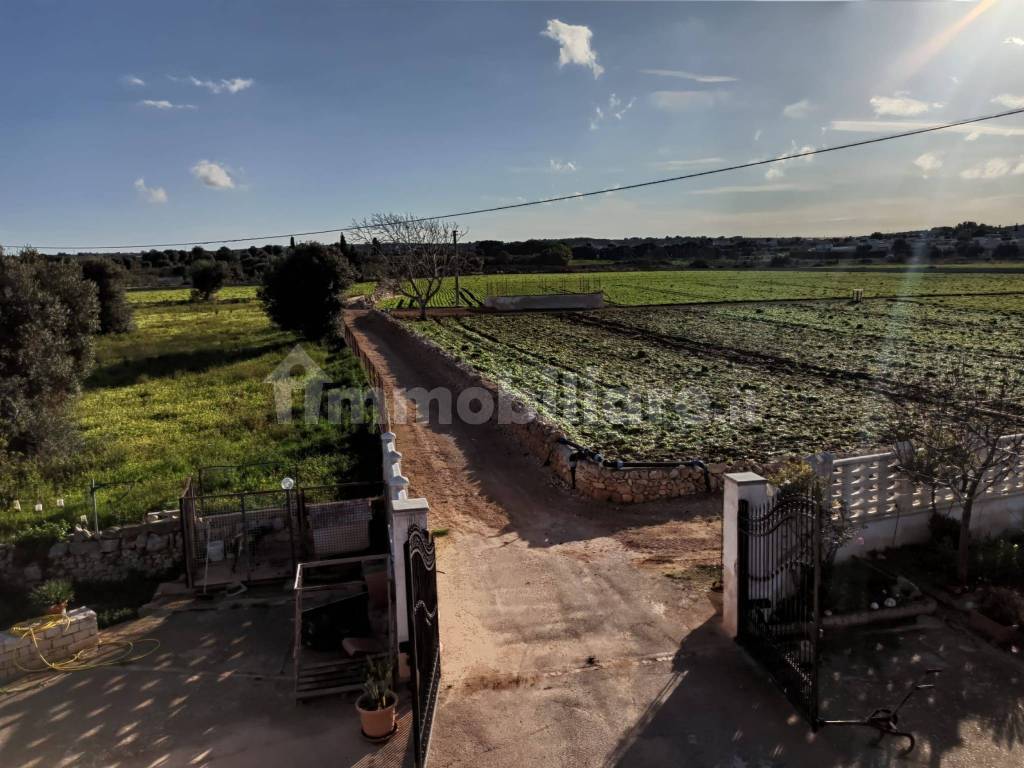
column 962, row 431
column 414, row 256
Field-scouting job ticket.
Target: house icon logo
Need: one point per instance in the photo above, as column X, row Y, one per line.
column 297, row 371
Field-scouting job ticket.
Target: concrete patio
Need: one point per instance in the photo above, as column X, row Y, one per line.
column 216, row 692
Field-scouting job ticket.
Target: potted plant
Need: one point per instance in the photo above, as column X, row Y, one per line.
column 52, row 596
column 377, row 704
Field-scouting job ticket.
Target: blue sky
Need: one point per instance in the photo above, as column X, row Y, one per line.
column 127, row 122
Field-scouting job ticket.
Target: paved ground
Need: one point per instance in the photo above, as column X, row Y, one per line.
column 218, row 692
column 566, row 642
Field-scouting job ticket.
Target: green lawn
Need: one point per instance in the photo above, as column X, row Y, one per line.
column 184, row 390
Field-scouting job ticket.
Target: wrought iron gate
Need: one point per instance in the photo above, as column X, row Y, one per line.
column 424, row 636
column 778, row 581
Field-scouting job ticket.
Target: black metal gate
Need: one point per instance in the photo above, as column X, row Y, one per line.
column 778, row 583
column 424, row 636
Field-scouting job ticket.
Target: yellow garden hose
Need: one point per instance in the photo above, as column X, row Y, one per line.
column 104, row 654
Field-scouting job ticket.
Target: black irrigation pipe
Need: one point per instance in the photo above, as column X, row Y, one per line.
column 581, row 452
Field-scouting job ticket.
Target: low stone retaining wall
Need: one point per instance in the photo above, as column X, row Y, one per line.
column 546, row 442
column 152, row 549
column 76, row 632
column 545, row 301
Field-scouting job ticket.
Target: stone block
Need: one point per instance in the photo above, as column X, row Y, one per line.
column 156, row 543
column 58, row 550
column 84, row 548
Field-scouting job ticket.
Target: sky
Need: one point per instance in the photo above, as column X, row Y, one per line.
column 138, row 123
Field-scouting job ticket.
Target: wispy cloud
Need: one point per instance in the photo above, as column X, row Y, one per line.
column 132, row 80
column 213, row 175
column 1009, row 101
column 574, row 46
column 683, row 75
column 684, row 101
column 757, row 188
column 995, row 168
column 1014, row 41
column 757, row 135
column 224, row 85
column 150, row 194
column 928, row 162
column 678, row 165
column 558, row 166
column 798, row 110
column 897, row 126
column 901, row 105
column 615, row 109
column 164, row 104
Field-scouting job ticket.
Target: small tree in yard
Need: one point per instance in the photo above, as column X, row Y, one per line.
column 207, row 278
column 109, row 277
column 302, row 291
column 962, row 433
column 414, row 256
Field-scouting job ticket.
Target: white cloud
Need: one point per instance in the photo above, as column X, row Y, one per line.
column 164, row 104
column 233, row 85
column 897, row 126
column 573, row 45
column 213, row 175
column 683, row 75
column 994, row 168
column 928, row 162
column 132, row 80
column 1009, row 101
column 900, row 105
column 777, row 171
column 683, row 101
column 557, row 166
column 1014, row 41
column 757, row 135
column 675, row 165
column 150, row 194
column 798, row 110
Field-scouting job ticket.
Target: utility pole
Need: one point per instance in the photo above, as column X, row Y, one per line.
column 455, row 245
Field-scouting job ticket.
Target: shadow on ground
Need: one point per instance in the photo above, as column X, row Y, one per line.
column 720, row 709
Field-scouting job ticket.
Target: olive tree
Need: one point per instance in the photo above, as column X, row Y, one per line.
column 962, row 431
column 48, row 316
column 302, row 290
column 414, row 256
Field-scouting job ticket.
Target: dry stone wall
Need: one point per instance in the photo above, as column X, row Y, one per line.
column 153, row 549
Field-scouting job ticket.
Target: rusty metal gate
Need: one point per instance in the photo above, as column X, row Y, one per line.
column 424, row 636
column 779, row 581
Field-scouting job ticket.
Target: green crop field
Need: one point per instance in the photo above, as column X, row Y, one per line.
column 184, row 390
column 700, row 286
column 731, row 381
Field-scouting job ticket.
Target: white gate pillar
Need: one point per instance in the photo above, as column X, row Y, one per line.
column 755, row 490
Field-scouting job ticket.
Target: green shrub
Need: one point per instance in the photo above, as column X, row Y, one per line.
column 42, row 534
column 51, row 592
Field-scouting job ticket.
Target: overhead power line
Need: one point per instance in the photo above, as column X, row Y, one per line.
column 544, row 201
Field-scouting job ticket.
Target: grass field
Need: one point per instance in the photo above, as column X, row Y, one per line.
column 731, row 381
column 184, row 390
column 695, row 286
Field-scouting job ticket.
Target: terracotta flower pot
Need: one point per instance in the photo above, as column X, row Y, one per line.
column 56, row 609
column 378, row 724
